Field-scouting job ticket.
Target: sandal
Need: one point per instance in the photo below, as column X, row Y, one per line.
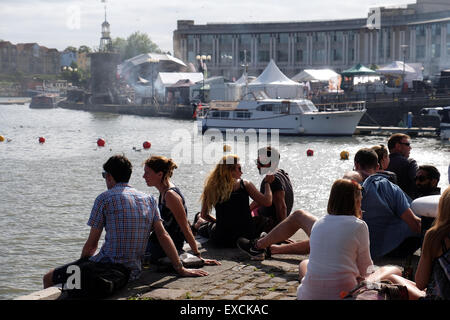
column 194, row 230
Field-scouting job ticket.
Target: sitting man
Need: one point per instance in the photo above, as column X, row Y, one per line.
column 393, row 228
column 427, row 179
column 127, row 216
column 282, row 194
column 401, row 164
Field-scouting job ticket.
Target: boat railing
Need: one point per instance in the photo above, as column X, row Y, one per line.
column 341, row 106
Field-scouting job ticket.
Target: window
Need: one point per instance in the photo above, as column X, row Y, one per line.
column 263, row 56
column 243, row 114
column 420, row 51
column 264, row 107
column 220, row 114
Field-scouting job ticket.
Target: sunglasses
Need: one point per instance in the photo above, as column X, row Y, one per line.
column 104, row 174
column 422, row 178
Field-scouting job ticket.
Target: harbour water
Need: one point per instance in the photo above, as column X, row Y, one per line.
column 47, row 190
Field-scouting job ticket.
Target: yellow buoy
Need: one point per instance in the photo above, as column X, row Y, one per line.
column 345, row 155
column 2, row 138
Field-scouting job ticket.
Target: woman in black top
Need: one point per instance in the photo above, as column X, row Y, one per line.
column 229, row 195
column 172, row 207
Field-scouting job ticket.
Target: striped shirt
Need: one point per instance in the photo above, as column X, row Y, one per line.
column 127, row 216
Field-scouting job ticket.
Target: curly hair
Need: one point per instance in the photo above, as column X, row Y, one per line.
column 219, row 183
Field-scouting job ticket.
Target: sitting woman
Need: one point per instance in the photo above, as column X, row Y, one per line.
column 229, row 195
column 383, row 162
column 172, row 207
column 339, row 248
column 434, row 264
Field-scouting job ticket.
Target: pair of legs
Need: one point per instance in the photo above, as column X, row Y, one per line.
column 297, row 220
column 391, row 273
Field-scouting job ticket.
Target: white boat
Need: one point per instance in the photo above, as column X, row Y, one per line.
column 289, row 116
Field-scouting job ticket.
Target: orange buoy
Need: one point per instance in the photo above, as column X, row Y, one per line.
column 41, row 139
column 309, row 153
column 2, row 138
column 147, row 145
column 101, row 142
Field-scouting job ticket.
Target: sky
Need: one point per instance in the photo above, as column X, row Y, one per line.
column 62, row 23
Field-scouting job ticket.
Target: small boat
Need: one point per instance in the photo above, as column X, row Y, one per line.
column 288, row 116
column 443, row 113
column 44, row 101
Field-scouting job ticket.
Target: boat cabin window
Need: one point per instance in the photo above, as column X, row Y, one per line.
column 243, row 114
column 220, row 114
column 265, row 107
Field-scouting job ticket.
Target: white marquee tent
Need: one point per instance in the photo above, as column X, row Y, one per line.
column 324, row 75
column 275, row 83
column 397, row 68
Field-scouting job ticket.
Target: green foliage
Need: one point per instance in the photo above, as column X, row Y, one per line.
column 137, row 43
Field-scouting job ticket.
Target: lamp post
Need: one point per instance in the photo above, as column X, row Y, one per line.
column 202, row 63
column 404, row 47
column 152, row 61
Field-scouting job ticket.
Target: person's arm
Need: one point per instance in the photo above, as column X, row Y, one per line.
column 175, row 205
column 169, row 248
column 91, row 244
column 262, row 199
column 204, row 213
column 412, row 220
column 424, row 267
column 280, row 204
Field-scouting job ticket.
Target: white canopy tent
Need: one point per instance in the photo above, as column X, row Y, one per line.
column 324, row 75
column 275, row 83
column 398, row 68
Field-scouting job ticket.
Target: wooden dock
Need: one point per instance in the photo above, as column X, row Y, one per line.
column 413, row 131
column 11, row 101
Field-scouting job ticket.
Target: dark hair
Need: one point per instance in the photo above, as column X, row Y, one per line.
column 366, row 158
column 161, row 164
column 119, row 167
column 396, row 138
column 271, row 153
column 342, row 197
column 380, row 151
column 432, row 171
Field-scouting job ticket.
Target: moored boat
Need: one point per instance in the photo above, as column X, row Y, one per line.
column 288, row 116
column 44, row 101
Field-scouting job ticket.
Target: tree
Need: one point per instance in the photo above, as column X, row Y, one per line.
column 70, row 49
column 84, row 49
column 137, row 43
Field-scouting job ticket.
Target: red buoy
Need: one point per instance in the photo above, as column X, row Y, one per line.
column 309, row 153
column 147, row 145
column 101, row 142
column 41, row 139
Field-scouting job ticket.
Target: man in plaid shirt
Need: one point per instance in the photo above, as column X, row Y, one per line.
column 128, row 216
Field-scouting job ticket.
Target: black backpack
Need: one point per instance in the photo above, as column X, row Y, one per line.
column 99, row 280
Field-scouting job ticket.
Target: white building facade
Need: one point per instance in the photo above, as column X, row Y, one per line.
column 415, row 33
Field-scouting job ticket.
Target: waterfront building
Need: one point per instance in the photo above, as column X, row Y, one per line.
column 414, row 33
column 28, row 58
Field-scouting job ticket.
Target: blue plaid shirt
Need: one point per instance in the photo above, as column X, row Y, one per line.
column 127, row 216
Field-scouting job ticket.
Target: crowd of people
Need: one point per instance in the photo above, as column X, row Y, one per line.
column 369, row 218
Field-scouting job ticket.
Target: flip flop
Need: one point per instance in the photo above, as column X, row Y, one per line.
column 194, row 230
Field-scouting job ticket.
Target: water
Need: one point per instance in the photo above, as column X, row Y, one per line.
column 47, row 190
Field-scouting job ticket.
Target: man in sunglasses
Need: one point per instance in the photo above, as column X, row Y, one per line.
column 405, row 168
column 128, row 216
column 427, row 180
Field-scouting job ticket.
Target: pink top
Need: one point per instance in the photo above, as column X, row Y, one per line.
column 340, row 252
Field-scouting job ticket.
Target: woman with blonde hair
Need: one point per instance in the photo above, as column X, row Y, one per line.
column 228, row 194
column 172, row 207
column 433, row 270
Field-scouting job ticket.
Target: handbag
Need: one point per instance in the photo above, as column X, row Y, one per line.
column 384, row 290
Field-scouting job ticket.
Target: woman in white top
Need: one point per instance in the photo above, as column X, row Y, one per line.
column 339, row 248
